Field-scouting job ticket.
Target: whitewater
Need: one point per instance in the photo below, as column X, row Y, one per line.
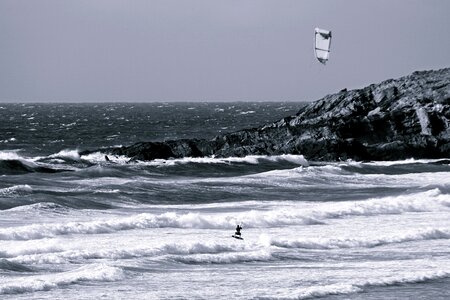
column 78, row 226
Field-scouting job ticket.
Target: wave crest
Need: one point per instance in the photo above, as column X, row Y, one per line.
column 318, row 214
column 16, row 190
column 356, row 285
column 326, row 243
column 94, row 272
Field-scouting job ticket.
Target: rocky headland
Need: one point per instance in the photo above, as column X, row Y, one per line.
column 395, row 119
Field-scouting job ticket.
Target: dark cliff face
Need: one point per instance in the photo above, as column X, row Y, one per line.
column 396, row 119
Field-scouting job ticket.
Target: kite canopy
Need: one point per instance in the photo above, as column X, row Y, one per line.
column 322, row 42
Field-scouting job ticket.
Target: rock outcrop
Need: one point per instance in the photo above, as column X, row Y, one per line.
column 396, row 119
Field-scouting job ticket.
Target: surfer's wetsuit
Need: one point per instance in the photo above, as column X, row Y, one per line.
column 238, row 230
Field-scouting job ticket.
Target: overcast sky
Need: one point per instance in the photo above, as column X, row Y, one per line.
column 208, row 50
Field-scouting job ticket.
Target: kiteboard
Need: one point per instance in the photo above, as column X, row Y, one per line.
column 237, row 237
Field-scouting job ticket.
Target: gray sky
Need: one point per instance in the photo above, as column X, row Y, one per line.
column 208, row 50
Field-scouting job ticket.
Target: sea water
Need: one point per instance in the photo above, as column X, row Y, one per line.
column 81, row 227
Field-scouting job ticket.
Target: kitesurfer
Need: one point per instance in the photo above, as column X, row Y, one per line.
column 238, row 230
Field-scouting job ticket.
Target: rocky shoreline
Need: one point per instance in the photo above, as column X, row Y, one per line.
column 396, row 119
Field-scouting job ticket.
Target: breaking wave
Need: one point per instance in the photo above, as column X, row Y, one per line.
column 66, row 155
column 99, row 157
column 432, row 200
column 57, row 255
column 11, row 155
column 250, row 159
column 15, row 167
column 327, row 243
column 314, row 292
column 89, row 273
column 12, row 163
column 262, row 255
column 141, row 221
column 356, row 286
column 229, row 251
column 16, row 190
column 40, row 206
column 30, row 248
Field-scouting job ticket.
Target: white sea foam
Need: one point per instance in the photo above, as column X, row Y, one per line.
column 145, row 220
column 68, row 124
column 34, row 207
column 14, row 155
column 98, row 157
column 334, row 175
column 67, row 154
column 432, row 200
column 16, row 190
column 10, row 155
column 404, row 278
column 32, row 248
column 358, row 285
column 226, row 258
column 28, row 284
column 247, row 112
column 52, row 252
column 334, row 243
column 399, row 162
column 314, row 292
column 102, row 181
column 302, row 171
column 55, row 255
column 250, row 159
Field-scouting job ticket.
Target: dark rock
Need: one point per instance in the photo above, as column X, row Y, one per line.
column 145, row 151
column 396, row 119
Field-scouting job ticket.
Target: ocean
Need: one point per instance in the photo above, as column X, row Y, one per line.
column 80, row 227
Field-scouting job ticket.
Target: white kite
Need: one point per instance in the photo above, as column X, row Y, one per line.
column 322, row 42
